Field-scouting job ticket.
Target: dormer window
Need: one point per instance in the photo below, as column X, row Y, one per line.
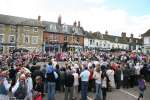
column 55, row 28
column 130, row 40
column 102, row 36
column 35, row 29
column 65, row 28
column 116, row 40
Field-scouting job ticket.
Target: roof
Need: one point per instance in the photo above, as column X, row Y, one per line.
column 67, row 29
column 147, row 33
column 95, row 35
column 112, row 39
column 13, row 20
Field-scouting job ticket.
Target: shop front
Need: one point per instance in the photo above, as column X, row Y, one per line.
column 52, row 47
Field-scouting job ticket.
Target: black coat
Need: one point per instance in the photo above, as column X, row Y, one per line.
column 69, row 80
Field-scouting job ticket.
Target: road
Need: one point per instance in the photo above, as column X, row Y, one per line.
column 121, row 94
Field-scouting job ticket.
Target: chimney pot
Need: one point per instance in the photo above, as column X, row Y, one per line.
column 39, row 18
column 78, row 23
column 59, row 20
column 106, row 32
column 123, row 34
column 75, row 24
column 132, row 35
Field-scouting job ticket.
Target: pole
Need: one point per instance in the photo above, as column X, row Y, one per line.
column 16, row 38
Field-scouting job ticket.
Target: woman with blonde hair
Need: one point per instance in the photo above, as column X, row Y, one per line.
column 97, row 77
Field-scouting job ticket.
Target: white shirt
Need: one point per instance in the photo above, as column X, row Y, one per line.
column 6, row 84
column 76, row 79
column 104, row 82
column 15, row 87
column 29, row 84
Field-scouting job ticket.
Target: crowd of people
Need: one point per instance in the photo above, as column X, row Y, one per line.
column 23, row 78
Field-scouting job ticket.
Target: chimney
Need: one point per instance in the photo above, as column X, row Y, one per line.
column 39, row 18
column 78, row 23
column 106, row 32
column 75, row 24
column 59, row 20
column 132, row 35
column 123, row 34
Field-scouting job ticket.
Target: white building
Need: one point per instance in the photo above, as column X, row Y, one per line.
column 98, row 41
column 146, row 38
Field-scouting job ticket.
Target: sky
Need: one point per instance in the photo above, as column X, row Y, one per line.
column 115, row 16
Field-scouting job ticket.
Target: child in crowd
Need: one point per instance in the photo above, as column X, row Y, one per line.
column 142, row 87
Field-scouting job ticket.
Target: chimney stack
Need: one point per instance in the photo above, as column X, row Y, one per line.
column 59, row 20
column 123, row 34
column 78, row 23
column 75, row 24
column 39, row 18
column 106, row 32
column 132, row 35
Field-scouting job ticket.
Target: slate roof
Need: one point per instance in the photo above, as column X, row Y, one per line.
column 147, row 33
column 95, row 35
column 13, row 20
column 113, row 39
column 67, row 29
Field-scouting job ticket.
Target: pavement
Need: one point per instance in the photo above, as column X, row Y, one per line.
column 120, row 94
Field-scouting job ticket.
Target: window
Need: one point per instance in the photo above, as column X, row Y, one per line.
column 130, row 40
column 1, row 38
column 26, row 39
column 2, row 26
column 149, row 41
column 1, row 49
column 102, row 36
column 35, row 29
column 11, row 39
column 73, row 39
column 26, row 28
column 96, row 43
column 116, row 40
column 90, row 42
column 11, row 48
column 108, row 45
column 13, row 28
column 104, row 45
column 34, row 39
column 78, row 39
column 65, row 38
column 136, row 41
column 65, row 28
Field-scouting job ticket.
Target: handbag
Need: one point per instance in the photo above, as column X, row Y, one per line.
column 39, row 97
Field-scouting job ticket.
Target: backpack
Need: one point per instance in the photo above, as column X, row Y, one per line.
column 21, row 91
column 51, row 77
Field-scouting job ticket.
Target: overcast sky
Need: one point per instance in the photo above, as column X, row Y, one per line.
column 115, row 16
